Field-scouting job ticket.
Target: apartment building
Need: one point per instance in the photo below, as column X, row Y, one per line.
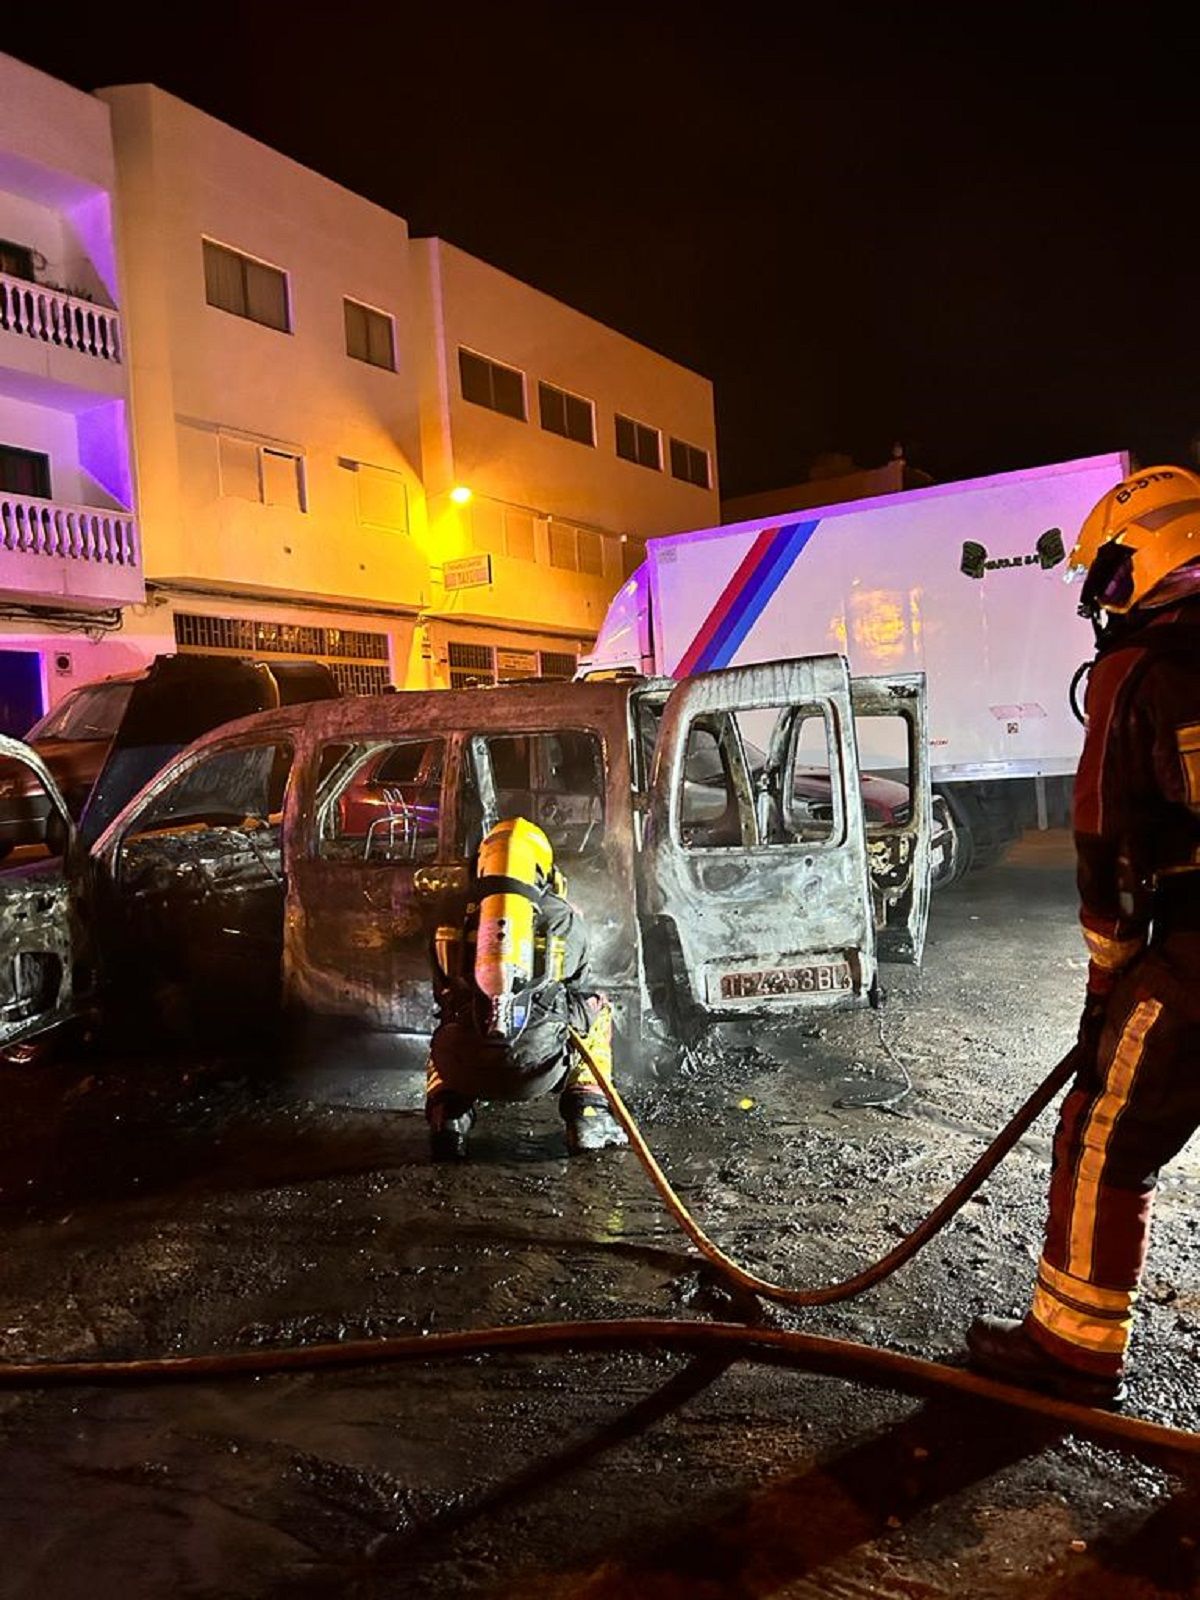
column 351, row 445
column 552, row 447
column 374, row 450
column 70, row 563
column 275, row 400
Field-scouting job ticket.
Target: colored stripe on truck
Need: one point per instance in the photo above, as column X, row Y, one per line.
column 745, row 597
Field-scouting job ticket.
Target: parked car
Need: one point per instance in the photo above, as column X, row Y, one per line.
column 266, row 866
column 178, row 698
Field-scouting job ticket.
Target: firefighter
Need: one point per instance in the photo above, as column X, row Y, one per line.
column 512, row 986
column 1135, row 1099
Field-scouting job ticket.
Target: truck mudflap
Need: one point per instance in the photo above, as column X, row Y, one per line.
column 765, row 888
column 898, row 839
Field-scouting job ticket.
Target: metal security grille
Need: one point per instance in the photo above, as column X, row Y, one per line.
column 358, row 677
column 470, row 664
column 357, row 659
column 558, row 664
column 471, row 657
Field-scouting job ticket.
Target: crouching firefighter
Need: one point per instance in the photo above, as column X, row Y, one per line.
column 512, row 987
column 1135, row 1100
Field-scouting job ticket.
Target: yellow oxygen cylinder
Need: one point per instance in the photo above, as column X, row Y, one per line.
column 514, row 865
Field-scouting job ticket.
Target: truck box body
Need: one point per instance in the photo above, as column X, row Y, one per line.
column 882, row 582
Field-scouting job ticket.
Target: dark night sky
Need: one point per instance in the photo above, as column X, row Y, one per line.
column 982, row 243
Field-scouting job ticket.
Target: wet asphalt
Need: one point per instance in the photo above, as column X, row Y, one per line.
column 161, row 1205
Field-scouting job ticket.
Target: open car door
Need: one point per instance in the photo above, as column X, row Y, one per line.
column 755, row 866
column 36, row 919
column 893, row 741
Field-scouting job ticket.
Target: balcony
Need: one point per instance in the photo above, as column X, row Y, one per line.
column 64, row 555
column 39, row 312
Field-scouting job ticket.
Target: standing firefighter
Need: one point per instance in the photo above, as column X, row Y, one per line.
column 512, row 986
column 1136, row 1097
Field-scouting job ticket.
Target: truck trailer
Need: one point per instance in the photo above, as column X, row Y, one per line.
column 961, row 581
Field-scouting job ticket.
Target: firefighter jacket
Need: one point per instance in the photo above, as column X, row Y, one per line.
column 1137, row 791
column 536, row 1059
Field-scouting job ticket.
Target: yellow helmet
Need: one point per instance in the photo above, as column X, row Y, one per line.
column 1142, row 530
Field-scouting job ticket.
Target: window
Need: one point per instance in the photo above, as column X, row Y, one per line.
column 637, row 442
column 632, row 556
column 575, row 549
column 369, row 335
column 265, row 473
column 502, row 530
column 229, row 804
column 382, row 497
column 689, row 463
column 32, row 824
column 590, row 552
column 555, row 779
column 24, row 472
column 733, row 798
column 566, row 414
column 282, row 482
column 558, row 664
column 487, row 383
column 16, row 260
column 382, row 802
column 562, row 547
column 245, row 287
column 93, row 712
column 470, row 664
column 357, row 659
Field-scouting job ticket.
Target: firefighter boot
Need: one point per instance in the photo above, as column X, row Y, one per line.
column 1001, row 1348
column 450, row 1117
column 588, row 1122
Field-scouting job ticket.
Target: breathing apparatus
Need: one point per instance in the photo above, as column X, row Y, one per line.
column 515, row 870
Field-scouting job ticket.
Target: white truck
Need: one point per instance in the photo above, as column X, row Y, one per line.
column 961, row 581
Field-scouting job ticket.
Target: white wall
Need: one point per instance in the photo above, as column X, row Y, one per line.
column 468, row 303
column 199, row 371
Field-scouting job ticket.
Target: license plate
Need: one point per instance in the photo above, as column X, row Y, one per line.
column 782, row 982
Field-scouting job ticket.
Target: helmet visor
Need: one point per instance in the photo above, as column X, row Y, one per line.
column 1109, row 582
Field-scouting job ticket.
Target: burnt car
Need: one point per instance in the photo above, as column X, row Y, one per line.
column 295, row 862
column 94, row 728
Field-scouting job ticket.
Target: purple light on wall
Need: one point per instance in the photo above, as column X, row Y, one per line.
column 92, row 221
column 103, row 436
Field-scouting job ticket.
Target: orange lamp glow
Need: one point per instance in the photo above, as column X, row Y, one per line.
column 460, row 494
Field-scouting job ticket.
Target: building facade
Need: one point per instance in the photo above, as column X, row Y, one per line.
column 351, row 446
column 348, row 441
column 552, row 447
column 70, row 555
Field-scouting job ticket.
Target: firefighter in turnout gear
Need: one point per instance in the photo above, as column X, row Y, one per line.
column 512, row 988
column 1135, row 1099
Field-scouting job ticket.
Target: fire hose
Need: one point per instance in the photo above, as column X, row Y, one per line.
column 841, row 1358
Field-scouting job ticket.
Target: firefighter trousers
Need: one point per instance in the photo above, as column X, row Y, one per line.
column 1128, row 1113
column 577, row 1082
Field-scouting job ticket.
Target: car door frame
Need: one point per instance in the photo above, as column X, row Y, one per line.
column 458, row 716
column 21, row 934
column 680, row 886
column 901, row 848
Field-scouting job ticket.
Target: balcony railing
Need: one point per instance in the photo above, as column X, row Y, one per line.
column 56, row 318
column 73, row 533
